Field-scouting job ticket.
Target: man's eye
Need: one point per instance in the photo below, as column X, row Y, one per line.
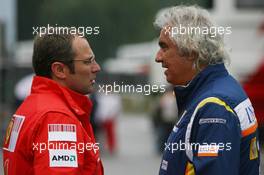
column 164, row 48
column 87, row 61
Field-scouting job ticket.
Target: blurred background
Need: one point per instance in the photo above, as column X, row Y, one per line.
column 131, row 138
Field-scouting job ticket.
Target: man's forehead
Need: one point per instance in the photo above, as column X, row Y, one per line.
column 164, row 36
column 166, row 29
column 80, row 44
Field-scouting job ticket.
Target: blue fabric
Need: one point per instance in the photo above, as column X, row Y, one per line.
column 233, row 158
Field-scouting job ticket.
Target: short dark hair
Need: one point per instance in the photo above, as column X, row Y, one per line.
column 50, row 48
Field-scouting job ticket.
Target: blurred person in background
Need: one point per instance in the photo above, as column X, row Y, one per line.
column 108, row 109
column 217, row 130
column 254, row 86
column 93, row 97
column 165, row 115
column 22, row 89
column 50, row 133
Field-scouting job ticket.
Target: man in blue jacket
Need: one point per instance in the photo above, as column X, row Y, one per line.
column 217, row 132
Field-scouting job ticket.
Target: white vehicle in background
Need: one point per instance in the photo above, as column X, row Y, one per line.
column 245, row 44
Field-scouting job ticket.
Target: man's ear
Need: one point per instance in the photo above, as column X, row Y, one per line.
column 58, row 70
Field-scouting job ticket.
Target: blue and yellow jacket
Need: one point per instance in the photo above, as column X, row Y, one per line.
column 217, row 131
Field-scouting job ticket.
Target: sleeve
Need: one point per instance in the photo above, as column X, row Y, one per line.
column 216, row 135
column 60, row 147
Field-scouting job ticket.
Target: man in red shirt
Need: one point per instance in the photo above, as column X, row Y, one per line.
column 50, row 133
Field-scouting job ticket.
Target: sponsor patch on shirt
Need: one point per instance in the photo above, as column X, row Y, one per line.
column 253, row 154
column 208, row 151
column 247, row 118
column 212, row 120
column 12, row 132
column 164, row 165
column 62, row 132
column 63, row 158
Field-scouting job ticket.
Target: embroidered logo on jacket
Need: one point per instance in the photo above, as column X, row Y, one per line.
column 164, row 165
column 212, row 120
column 63, row 158
column 62, row 132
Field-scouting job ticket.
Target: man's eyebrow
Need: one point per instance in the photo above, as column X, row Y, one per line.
column 91, row 57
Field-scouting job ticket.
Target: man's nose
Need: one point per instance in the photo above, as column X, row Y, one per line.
column 96, row 67
column 158, row 58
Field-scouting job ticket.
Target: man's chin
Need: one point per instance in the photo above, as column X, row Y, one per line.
column 169, row 80
column 91, row 89
column 87, row 91
column 172, row 82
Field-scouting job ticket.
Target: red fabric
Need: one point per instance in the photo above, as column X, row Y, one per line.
column 50, row 104
column 109, row 127
column 254, row 87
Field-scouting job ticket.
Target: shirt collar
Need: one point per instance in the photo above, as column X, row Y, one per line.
column 78, row 103
column 185, row 93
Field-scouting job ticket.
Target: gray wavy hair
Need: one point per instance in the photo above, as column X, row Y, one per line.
column 208, row 46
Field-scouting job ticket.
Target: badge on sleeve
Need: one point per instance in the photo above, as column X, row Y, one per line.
column 12, row 132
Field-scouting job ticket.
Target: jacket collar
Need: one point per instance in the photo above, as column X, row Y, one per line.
column 185, row 94
column 78, row 103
